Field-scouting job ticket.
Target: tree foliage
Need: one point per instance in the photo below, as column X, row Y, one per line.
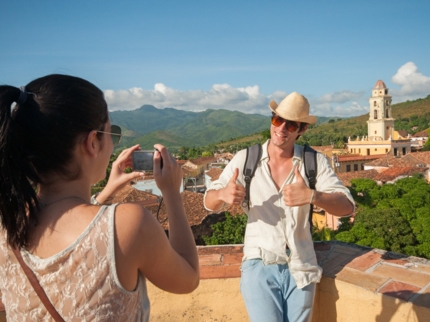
column 229, row 231
column 394, row 217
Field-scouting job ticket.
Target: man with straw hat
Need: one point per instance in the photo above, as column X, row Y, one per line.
column 279, row 266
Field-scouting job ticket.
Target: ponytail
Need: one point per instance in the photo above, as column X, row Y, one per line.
column 18, row 200
column 37, row 143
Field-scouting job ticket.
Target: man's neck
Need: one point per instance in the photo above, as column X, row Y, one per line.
column 277, row 153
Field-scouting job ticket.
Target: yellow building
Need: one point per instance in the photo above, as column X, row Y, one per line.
column 381, row 137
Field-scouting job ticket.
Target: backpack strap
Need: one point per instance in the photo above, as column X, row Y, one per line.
column 310, row 160
column 253, row 155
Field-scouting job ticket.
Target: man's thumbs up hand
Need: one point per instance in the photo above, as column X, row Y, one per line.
column 297, row 194
column 233, row 193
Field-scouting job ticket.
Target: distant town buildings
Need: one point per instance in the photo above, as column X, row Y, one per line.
column 381, row 140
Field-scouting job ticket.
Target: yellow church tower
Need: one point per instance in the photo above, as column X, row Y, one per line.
column 380, row 126
column 381, row 136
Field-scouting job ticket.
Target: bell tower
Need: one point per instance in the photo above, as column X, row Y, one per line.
column 380, row 126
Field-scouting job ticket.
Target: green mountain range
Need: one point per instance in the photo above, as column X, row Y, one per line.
column 175, row 128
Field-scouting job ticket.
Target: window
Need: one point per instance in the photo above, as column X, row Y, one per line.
column 386, row 150
column 376, row 149
column 386, row 113
column 375, row 114
column 355, row 167
column 359, row 150
column 362, row 166
column 348, row 168
column 374, row 103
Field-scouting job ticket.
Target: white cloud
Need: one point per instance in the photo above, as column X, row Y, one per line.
column 413, row 84
column 223, row 96
column 220, row 96
column 346, row 110
column 340, row 97
column 343, row 104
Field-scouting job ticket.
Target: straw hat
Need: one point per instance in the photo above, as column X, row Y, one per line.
column 294, row 107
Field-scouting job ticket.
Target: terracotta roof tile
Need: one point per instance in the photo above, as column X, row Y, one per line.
column 194, row 209
column 395, row 172
column 380, row 85
column 423, row 156
column 203, row 160
column 357, row 157
column 421, row 134
column 129, row 194
column 346, row 177
column 403, row 133
column 214, row 173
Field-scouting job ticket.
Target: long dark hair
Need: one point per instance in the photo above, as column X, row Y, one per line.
column 37, row 138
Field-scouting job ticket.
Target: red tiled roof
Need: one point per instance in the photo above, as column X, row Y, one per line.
column 381, row 162
column 409, row 160
column 346, row 177
column 203, row 160
column 393, row 173
column 380, row 85
column 129, row 194
column 214, row 173
column 421, row 134
column 403, row 133
column 194, row 209
column 423, row 156
column 356, row 157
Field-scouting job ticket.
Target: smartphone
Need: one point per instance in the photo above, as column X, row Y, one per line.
column 143, row 160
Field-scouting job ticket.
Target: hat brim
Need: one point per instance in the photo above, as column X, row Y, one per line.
column 310, row 119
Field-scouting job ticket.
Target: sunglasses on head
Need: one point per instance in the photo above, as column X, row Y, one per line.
column 291, row 126
column 115, row 133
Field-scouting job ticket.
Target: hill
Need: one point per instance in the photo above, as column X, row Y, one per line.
column 412, row 116
column 176, row 128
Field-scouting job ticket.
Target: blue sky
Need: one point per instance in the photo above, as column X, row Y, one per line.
column 236, row 55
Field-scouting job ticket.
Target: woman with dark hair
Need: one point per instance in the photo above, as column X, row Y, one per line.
column 90, row 259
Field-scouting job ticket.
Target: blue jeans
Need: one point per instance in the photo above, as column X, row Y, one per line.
column 271, row 294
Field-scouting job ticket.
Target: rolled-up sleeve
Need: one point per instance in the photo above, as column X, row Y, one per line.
column 327, row 180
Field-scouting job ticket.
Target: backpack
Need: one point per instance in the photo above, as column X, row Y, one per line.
column 253, row 155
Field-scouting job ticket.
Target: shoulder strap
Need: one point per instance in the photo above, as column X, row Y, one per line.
column 310, row 160
column 37, row 288
column 253, row 155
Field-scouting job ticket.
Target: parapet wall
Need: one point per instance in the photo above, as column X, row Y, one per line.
column 359, row 284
